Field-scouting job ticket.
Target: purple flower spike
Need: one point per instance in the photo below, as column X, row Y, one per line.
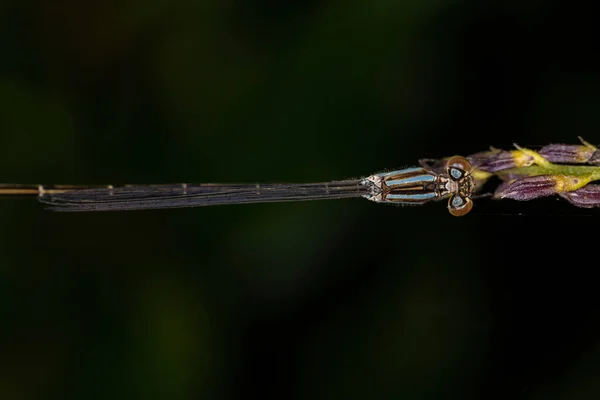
column 529, row 188
column 586, row 197
column 493, row 161
column 501, row 189
column 567, row 153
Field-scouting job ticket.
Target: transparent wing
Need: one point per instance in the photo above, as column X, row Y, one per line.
column 144, row 197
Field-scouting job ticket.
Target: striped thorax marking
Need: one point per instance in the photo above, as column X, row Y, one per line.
column 411, row 186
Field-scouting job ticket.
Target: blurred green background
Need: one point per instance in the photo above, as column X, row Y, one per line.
column 333, row 299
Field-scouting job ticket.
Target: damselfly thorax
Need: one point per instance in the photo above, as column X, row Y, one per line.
column 420, row 185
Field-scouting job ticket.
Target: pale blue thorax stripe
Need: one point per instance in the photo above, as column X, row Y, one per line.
column 425, row 178
column 411, row 197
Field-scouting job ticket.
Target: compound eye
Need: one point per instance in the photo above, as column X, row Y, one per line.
column 456, row 174
column 459, row 206
column 460, row 163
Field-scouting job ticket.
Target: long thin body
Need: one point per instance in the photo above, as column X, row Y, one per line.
column 406, row 186
column 140, row 197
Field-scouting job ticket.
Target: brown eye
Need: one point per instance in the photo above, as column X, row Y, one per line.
column 460, row 163
column 459, row 206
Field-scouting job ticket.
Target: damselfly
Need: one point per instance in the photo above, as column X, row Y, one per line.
column 406, row 186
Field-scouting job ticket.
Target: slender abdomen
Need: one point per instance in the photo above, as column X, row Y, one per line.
column 27, row 190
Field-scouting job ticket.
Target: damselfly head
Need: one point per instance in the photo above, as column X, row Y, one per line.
column 460, row 185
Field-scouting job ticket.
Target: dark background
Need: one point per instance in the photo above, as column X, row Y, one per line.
column 332, row 299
